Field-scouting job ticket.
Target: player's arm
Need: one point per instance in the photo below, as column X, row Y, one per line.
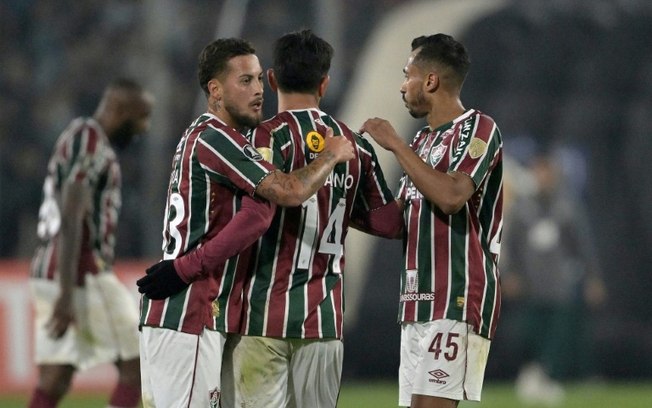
column 448, row 191
column 169, row 277
column 292, row 189
column 386, row 221
column 75, row 199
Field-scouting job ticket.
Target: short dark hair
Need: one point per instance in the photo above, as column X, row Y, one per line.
column 301, row 60
column 125, row 84
column 215, row 56
column 442, row 49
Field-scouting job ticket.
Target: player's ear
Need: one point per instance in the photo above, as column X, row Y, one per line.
column 215, row 88
column 323, row 85
column 432, row 82
column 271, row 78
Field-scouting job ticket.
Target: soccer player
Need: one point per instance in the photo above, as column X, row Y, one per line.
column 84, row 315
column 213, row 212
column 290, row 351
column 452, row 194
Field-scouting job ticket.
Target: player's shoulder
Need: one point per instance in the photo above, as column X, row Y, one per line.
column 214, row 129
column 480, row 116
column 339, row 127
column 84, row 132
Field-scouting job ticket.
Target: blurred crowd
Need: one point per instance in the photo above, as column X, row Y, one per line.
column 58, row 55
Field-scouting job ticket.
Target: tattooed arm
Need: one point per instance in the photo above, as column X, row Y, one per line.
column 292, row 189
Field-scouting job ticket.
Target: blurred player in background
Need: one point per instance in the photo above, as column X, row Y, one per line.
column 194, row 296
column 551, row 276
column 452, row 192
column 84, row 315
column 290, row 353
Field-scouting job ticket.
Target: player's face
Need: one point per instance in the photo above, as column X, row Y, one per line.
column 412, row 90
column 243, row 91
column 136, row 122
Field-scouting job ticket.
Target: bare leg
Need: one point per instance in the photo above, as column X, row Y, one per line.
column 424, row 401
column 127, row 391
column 53, row 384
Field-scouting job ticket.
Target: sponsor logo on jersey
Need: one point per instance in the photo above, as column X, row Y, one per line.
column 266, row 152
column 417, row 297
column 412, row 193
column 315, row 141
column 438, row 376
column 252, row 153
column 465, row 135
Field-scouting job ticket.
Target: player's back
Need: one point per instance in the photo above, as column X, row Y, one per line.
column 296, row 290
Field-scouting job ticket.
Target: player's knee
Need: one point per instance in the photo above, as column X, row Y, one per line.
column 55, row 380
column 129, row 372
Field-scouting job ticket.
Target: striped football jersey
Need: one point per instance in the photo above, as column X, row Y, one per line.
column 297, row 286
column 82, row 154
column 451, row 260
column 213, row 166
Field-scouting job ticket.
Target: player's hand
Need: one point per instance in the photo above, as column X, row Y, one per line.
column 339, row 146
column 382, row 132
column 161, row 281
column 63, row 315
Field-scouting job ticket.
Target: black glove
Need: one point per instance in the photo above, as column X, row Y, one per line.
column 161, row 281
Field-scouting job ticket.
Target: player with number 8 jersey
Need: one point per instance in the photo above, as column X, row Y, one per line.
column 210, row 173
column 192, row 298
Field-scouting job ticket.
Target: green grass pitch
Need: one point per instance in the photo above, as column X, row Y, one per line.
column 384, row 394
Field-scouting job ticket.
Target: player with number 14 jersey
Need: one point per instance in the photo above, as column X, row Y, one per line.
column 297, row 288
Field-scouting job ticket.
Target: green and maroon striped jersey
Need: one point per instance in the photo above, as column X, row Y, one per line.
column 81, row 154
column 451, row 260
column 212, row 168
column 297, row 287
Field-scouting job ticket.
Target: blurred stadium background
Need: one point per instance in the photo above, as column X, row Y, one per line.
column 571, row 72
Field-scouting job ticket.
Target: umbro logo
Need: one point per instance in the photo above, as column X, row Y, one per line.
column 438, row 376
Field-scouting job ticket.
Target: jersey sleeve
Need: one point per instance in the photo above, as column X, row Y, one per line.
column 476, row 147
column 248, row 224
column 374, row 192
column 229, row 158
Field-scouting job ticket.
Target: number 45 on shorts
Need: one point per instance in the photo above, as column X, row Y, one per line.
column 446, row 344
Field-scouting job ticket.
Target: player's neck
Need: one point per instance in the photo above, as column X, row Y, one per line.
column 294, row 101
column 443, row 113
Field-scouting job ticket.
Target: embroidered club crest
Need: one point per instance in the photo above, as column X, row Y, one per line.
column 214, row 398
column 436, row 154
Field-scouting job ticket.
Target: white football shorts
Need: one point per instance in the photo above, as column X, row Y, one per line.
column 180, row 369
column 105, row 328
column 263, row 372
column 443, row 358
